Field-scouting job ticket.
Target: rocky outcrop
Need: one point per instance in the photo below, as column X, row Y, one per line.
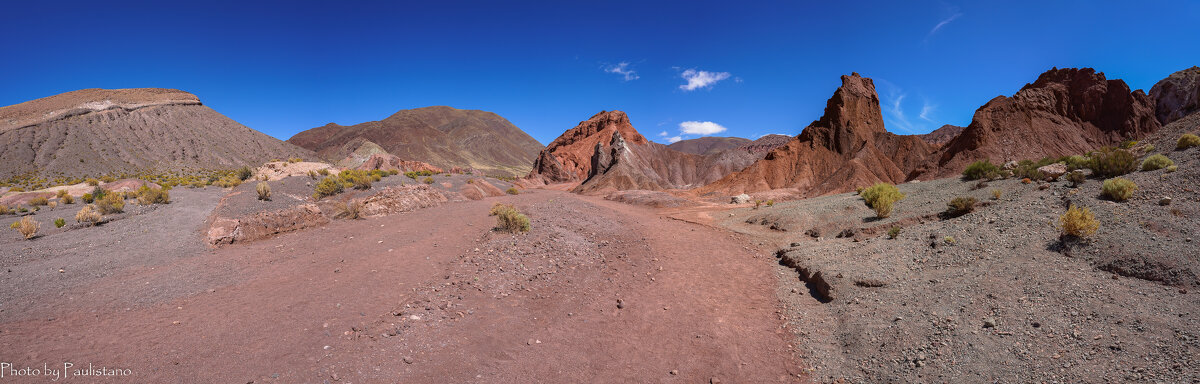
column 1177, row 96
column 569, row 157
column 942, row 135
column 261, row 225
column 442, row 136
column 402, row 199
column 387, row 162
column 1065, row 112
column 848, row 147
column 100, row 131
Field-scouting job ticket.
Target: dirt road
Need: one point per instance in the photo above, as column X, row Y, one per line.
column 598, row 291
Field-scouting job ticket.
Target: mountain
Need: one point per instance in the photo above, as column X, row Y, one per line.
column 442, row 136
column 1066, row 111
column 942, row 135
column 846, row 148
column 1176, row 96
column 605, row 153
column 96, row 131
column 708, row 145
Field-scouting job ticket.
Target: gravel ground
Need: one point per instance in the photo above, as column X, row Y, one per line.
column 993, row 295
column 63, row 258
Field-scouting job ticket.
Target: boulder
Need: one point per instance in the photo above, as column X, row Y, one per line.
column 1053, row 171
column 740, row 199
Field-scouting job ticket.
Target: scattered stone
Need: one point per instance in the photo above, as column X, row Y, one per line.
column 620, row 304
column 1164, row 201
column 674, row 372
column 740, row 199
column 408, row 360
column 1053, row 171
column 989, row 322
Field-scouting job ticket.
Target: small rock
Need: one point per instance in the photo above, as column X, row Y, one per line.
column 620, row 304
column 408, row 360
column 740, row 199
column 674, row 372
column 60, row 270
column 714, row 381
column 1164, row 201
column 989, row 322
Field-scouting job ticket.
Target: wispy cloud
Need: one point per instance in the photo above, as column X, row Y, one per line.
column 701, row 79
column 943, row 23
column 664, row 134
column 674, row 139
column 894, row 115
column 622, row 69
column 702, row 128
column 927, row 111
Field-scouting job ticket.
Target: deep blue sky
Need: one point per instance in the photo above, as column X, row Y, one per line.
column 288, row 66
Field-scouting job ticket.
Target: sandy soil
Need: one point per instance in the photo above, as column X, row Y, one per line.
column 597, row 291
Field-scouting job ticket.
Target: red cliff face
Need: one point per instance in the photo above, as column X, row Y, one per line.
column 1065, row 112
column 1177, row 96
column 848, row 147
column 569, row 157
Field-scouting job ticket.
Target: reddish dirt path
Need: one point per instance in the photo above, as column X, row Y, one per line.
column 329, row 305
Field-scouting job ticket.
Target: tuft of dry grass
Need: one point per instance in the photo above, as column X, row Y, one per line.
column 961, row 205
column 881, row 197
column 111, row 203
column 512, row 191
column 1078, row 222
column 509, row 219
column 28, row 227
column 264, row 191
column 350, row 210
column 87, row 216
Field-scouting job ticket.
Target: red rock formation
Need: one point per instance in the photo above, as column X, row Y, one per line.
column 569, row 157
column 848, row 147
column 942, row 135
column 1065, row 112
column 1177, row 96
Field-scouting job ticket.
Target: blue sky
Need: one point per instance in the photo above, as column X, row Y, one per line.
column 751, row 68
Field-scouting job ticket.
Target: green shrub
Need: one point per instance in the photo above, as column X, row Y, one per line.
column 513, row 191
column 295, row 160
column 323, row 171
column 983, row 169
column 893, row 232
column 39, row 201
column 59, row 222
column 92, row 182
column 961, row 205
column 996, row 193
column 1076, row 162
column 1078, row 222
column 1156, row 162
column 1076, row 178
column 427, row 180
column 67, row 199
column 264, row 191
column 1187, row 141
column 1110, row 162
column 15, row 224
column 228, row 182
column 87, row 198
column 1117, row 189
column 1028, row 169
column 244, row 173
column 328, row 186
column 414, row 174
column 1172, row 168
column 61, row 193
column 87, row 216
column 509, row 218
column 28, row 227
column 147, row 195
column 1128, row 144
column 880, row 197
column 111, row 203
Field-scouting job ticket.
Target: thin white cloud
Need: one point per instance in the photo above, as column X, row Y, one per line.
column 927, row 110
column 943, row 23
column 672, row 140
column 702, row 128
column 701, row 79
column 663, row 134
column 623, row 69
column 894, row 111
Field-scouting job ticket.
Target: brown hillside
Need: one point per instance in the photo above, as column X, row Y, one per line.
column 942, row 135
column 846, row 148
column 442, row 136
column 97, row 131
column 1065, row 112
column 708, row 145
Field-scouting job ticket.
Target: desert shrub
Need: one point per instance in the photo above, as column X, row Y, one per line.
column 107, row 179
column 771, row 203
column 355, row 179
column 264, row 191
column 858, row 191
column 1128, row 144
column 1026, row 181
column 1117, row 189
column 111, row 203
column 312, row 175
column 67, row 199
column 470, row 181
column 393, row 172
column 512, row 191
column 880, row 197
column 1028, row 169
column 61, row 193
column 996, row 193
column 39, row 201
column 228, row 182
column 15, row 224
column 147, row 195
column 5, row 210
column 28, row 227
column 757, row 204
column 983, row 169
column 1111, row 162
column 350, row 210
column 961, row 205
column 950, row 240
column 87, row 216
column 323, row 171
column 244, row 173
column 328, row 186
column 893, row 232
column 295, row 160
column 509, row 218
column 92, row 182
column 1076, row 162
column 1076, row 178
column 88, row 198
column 427, row 180
column 1187, row 141
column 1148, row 148
column 1156, row 162
column 59, row 222
column 1172, row 168
column 1078, row 222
